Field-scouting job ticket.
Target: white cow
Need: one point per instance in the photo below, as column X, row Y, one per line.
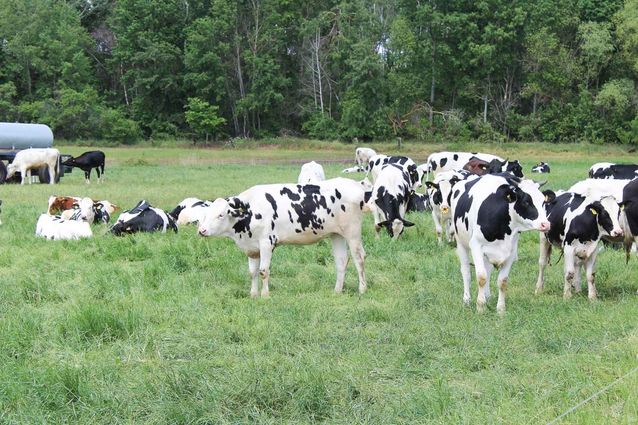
column 362, row 156
column 311, row 172
column 28, row 159
column 190, row 210
column 266, row 216
column 57, row 228
column 488, row 215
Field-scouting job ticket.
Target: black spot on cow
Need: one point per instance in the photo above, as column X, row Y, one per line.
column 493, row 214
column 175, row 213
column 273, row 203
column 241, row 210
column 433, row 165
column 463, row 204
column 272, row 225
column 443, row 162
column 290, row 216
column 361, row 205
column 456, row 193
column 337, row 194
column 298, row 230
column 290, row 194
column 343, row 208
column 332, row 199
column 258, row 216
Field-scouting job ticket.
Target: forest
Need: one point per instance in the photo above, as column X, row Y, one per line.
column 429, row 70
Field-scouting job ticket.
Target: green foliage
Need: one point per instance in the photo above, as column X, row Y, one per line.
column 321, row 126
column 202, row 117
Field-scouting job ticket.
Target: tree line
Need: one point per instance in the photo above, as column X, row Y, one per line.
column 122, row 70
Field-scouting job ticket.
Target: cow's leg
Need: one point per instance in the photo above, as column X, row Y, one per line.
column 340, row 254
column 437, row 224
column 87, row 176
column 502, row 280
column 543, row 260
column 481, row 275
column 358, row 257
column 265, row 255
column 488, row 269
column 464, row 259
column 253, row 268
column 570, row 260
column 449, row 230
column 576, row 284
column 590, row 270
column 52, row 172
column 97, row 170
column 377, row 219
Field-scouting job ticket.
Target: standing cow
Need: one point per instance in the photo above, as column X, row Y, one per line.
column 488, row 215
column 88, row 161
column 577, row 224
column 440, row 195
column 266, row 216
column 28, row 159
column 311, row 172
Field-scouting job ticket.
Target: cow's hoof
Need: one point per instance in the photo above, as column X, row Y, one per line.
column 254, row 294
column 480, row 308
column 265, row 294
column 567, row 295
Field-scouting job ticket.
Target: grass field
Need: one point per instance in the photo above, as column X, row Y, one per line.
column 160, row 328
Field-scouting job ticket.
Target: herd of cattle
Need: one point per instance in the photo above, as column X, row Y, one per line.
column 481, row 202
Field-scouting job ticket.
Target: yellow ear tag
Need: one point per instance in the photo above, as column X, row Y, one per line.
column 593, row 211
column 622, row 207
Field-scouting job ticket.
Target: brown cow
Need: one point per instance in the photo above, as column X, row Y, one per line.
column 57, row 204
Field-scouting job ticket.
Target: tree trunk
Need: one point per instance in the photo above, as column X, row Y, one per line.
column 485, row 108
column 317, row 44
column 240, row 79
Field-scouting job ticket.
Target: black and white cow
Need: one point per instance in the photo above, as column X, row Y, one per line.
column 541, row 167
column 190, row 210
column 88, row 161
column 266, row 216
column 577, row 224
column 362, row 156
column 609, row 170
column 418, row 202
column 439, row 162
column 143, row 218
column 377, row 162
column 440, row 195
column 390, row 195
column 629, row 215
column 488, row 215
column 497, row 166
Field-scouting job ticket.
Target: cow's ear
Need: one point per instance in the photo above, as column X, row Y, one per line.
column 550, row 196
column 624, row 204
column 98, row 206
column 431, row 185
column 596, row 208
column 407, row 223
column 510, row 194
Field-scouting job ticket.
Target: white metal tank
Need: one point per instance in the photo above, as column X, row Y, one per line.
column 16, row 136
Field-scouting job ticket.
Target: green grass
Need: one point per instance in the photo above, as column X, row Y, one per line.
column 161, row 329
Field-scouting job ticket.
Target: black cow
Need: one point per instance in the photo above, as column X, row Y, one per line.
column 608, row 170
column 541, row 167
column 143, row 218
column 86, row 162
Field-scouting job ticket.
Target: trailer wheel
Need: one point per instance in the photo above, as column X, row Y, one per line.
column 43, row 175
column 3, row 172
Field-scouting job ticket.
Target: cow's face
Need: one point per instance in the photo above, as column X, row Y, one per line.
column 217, row 219
column 608, row 216
column 11, row 170
column 84, row 210
column 515, row 168
column 528, row 205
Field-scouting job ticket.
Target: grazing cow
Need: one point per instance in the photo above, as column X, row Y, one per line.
column 488, row 215
column 440, row 194
column 266, row 216
column 597, row 188
column 439, row 162
column 390, row 196
column 476, row 166
column 497, row 166
column 418, row 202
column 190, row 210
column 57, row 228
column 377, row 162
column 88, row 161
column 609, row 170
column 143, row 218
column 28, row 159
column 311, row 172
column 577, row 224
column 542, row 167
column 362, row 156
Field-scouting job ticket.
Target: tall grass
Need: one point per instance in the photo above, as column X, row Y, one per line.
column 159, row 328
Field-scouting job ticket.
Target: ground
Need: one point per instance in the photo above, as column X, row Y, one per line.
column 161, row 329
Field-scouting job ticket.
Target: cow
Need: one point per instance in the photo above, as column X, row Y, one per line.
column 28, row 159
column 488, row 215
column 103, row 211
column 81, row 210
column 311, row 172
column 266, row 216
column 57, row 228
column 541, row 167
column 629, row 215
column 577, row 224
column 57, row 204
column 497, row 166
column 64, row 206
column 390, row 195
column 609, row 170
column 439, row 162
column 597, row 188
column 377, row 162
column 362, row 156
column 143, row 218
column 418, row 202
column 440, row 193
column 190, row 210
column 88, row 161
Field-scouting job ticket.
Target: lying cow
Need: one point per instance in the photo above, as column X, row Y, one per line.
column 98, row 212
column 362, row 156
column 190, row 210
column 311, row 172
column 577, row 224
column 488, row 215
column 439, row 162
column 28, row 159
column 440, row 194
column 88, row 161
column 58, row 228
column 143, row 218
column 609, row 170
column 390, row 195
column 266, row 216
column 103, row 211
column 81, row 210
column 541, row 167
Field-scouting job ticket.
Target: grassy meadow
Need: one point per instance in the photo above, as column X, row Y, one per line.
column 160, row 328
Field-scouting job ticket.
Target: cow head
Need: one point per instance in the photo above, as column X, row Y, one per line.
column 222, row 215
column 11, row 170
column 527, row 204
column 607, row 213
column 395, row 227
column 85, row 210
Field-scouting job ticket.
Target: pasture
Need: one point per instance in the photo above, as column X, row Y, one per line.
column 160, row 328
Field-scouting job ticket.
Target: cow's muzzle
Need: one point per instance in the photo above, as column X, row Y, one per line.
column 544, row 226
